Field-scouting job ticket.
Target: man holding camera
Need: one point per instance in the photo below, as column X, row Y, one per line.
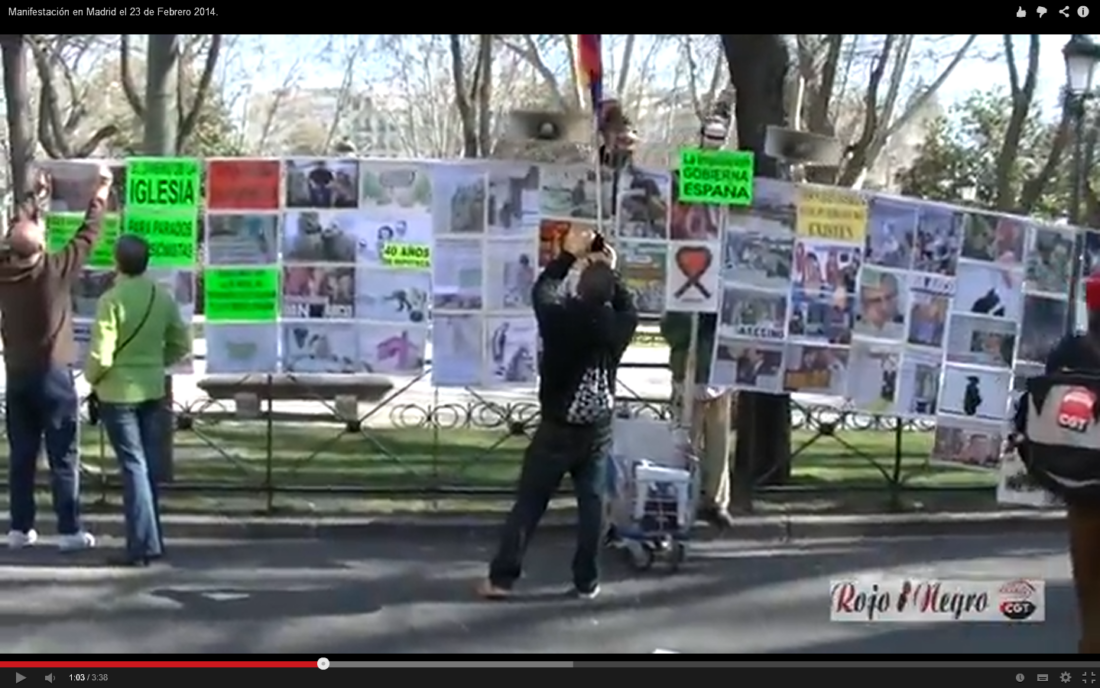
column 586, row 318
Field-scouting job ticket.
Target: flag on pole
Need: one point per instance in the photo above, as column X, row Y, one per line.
column 589, row 66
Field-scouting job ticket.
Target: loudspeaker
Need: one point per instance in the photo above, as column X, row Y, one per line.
column 549, row 127
column 802, row 148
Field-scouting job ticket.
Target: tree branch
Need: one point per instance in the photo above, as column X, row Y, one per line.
column 853, row 171
column 1034, row 187
column 187, row 126
column 50, row 125
column 127, row 77
column 462, row 97
column 531, row 54
column 1022, row 97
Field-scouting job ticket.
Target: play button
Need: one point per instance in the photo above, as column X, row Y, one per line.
column 19, row 677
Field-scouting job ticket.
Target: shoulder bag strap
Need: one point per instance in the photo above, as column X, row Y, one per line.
column 137, row 330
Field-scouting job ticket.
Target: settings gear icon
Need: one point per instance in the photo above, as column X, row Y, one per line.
column 1066, row 678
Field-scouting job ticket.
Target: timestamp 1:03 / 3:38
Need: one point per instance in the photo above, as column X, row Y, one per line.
column 88, row 678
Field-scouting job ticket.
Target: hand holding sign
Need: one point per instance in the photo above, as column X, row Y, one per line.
column 104, row 179
column 578, row 240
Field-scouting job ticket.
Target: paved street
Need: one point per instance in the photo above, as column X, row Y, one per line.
column 381, row 595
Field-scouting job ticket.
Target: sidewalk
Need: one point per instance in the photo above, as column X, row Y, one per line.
column 763, row 528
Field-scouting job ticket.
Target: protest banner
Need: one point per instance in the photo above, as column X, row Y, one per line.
column 831, row 213
column 243, row 184
column 407, row 255
column 62, row 227
column 172, row 237
column 716, row 177
column 162, row 183
column 242, row 295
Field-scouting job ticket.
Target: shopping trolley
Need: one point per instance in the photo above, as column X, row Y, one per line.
column 652, row 488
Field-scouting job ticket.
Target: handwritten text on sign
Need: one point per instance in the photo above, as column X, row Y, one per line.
column 247, row 295
column 162, row 183
column 716, row 177
column 62, row 227
column 407, row 255
column 831, row 214
column 172, row 236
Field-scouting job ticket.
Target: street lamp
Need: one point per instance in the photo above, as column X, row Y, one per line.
column 1081, row 56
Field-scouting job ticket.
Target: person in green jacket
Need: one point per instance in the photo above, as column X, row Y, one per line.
column 711, row 417
column 138, row 334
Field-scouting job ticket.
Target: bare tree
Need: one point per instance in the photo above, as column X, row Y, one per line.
column 13, row 51
column 473, row 101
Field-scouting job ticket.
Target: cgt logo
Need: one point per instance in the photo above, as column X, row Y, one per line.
column 1016, row 603
column 1075, row 410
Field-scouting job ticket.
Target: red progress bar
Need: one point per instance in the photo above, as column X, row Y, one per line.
column 179, row 664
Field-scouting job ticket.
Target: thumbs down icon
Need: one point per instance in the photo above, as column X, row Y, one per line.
column 1040, row 11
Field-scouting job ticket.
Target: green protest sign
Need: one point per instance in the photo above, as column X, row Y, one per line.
column 172, row 235
column 163, row 183
column 62, row 227
column 241, row 295
column 716, row 177
column 404, row 255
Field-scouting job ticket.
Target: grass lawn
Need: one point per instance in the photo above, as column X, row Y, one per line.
column 223, row 467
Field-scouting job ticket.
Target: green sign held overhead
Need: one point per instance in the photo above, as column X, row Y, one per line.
column 62, row 227
column 241, row 295
column 716, row 177
column 163, row 183
column 172, row 236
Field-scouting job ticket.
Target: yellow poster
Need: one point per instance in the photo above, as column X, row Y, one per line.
column 831, row 213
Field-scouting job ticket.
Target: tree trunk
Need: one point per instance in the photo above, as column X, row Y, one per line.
column 14, row 55
column 758, row 68
column 159, row 139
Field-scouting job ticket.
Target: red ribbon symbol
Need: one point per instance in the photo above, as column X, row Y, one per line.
column 693, row 261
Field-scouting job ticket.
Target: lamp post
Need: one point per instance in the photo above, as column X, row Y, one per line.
column 1081, row 56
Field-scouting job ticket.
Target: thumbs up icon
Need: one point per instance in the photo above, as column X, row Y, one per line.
column 1021, row 12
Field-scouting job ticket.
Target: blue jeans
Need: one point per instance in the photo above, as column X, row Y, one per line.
column 43, row 405
column 555, row 450
column 136, row 433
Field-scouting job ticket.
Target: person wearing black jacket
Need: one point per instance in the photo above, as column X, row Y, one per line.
column 586, row 318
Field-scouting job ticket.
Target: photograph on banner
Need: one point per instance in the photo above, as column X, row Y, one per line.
column 242, row 239
column 397, row 296
column 693, row 221
column 773, row 199
column 929, row 304
column 242, row 348
column 87, row 288
column 236, row 184
column 757, row 258
column 993, row 239
column 399, row 188
column 752, row 314
column 988, row 289
column 967, row 442
column 882, row 304
column 644, row 267
column 1041, row 328
column 241, row 294
column 458, row 275
column 571, row 191
column 919, row 383
column 826, row 266
column 312, row 347
column 873, row 377
column 821, row 315
column 181, row 285
column 318, row 292
column 82, row 339
column 510, row 274
column 552, row 234
column 392, row 349
column 939, row 239
column 458, row 199
column 311, row 236
column 747, row 364
column 173, row 236
column 982, row 341
column 457, row 350
column 816, row 369
column 513, row 204
column 321, row 183
column 380, row 236
column 832, row 214
column 61, row 228
column 644, row 195
column 511, row 345
column 975, row 392
column 694, row 272
column 72, row 183
column 1049, row 260
column 891, row 232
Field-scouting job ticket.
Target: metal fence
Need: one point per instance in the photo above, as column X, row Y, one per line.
column 442, row 447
